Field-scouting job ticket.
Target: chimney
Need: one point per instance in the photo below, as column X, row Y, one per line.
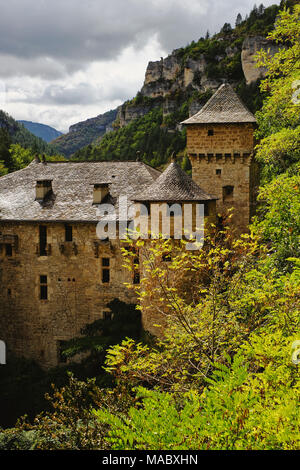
column 37, row 159
column 100, row 191
column 43, row 188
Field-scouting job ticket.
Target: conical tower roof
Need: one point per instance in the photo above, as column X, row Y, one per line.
column 173, row 185
column 223, row 107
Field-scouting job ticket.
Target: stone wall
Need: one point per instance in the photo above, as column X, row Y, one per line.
column 32, row 327
column 222, row 165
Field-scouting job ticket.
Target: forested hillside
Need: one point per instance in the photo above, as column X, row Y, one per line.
column 16, row 142
column 42, row 131
column 85, row 132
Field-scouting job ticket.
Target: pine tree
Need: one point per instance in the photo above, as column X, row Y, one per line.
column 238, row 20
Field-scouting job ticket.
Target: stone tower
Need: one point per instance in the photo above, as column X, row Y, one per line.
column 220, row 145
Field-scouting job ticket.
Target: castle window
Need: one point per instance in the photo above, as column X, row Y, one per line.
column 105, row 270
column 43, row 240
column 68, row 233
column 210, row 132
column 206, row 209
column 227, row 193
column 8, row 249
column 218, row 171
column 43, row 288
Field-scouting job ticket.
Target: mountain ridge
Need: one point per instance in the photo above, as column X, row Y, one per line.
column 43, row 131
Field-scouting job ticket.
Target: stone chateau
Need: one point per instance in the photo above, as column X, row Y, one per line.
column 56, row 274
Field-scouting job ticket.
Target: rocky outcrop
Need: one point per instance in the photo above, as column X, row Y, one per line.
column 251, row 46
column 128, row 112
column 168, row 75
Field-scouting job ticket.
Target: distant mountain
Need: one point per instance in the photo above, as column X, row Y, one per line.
column 20, row 135
column 46, row 133
column 84, row 133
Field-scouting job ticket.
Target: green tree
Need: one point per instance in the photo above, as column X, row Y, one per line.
column 279, row 118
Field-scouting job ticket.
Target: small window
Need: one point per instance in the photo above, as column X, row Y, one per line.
column 227, row 193
column 43, row 240
column 43, row 288
column 206, row 209
column 68, row 233
column 210, row 132
column 8, row 249
column 105, row 270
column 9, row 292
column 218, row 171
column 107, row 315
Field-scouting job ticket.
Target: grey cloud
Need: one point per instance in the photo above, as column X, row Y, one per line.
column 73, row 33
column 81, row 94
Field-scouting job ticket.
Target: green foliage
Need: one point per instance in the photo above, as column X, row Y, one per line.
column 18, row 146
column 239, row 410
column 145, row 135
column 279, row 221
column 20, row 135
column 98, row 336
column 70, row 423
column 279, row 118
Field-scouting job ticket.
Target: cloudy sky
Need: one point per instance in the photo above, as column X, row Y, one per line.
column 63, row 61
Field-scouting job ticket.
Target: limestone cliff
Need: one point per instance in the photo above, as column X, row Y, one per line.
column 176, row 74
column 250, row 47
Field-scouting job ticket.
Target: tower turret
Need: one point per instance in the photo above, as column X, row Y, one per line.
column 220, row 145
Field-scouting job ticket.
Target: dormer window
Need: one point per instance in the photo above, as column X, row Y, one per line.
column 100, row 191
column 43, row 188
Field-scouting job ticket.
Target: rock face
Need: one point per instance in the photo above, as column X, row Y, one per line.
column 163, row 79
column 170, row 75
column 127, row 113
column 251, row 46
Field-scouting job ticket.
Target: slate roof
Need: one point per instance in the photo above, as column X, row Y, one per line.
column 223, row 107
column 173, row 185
column 72, row 183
